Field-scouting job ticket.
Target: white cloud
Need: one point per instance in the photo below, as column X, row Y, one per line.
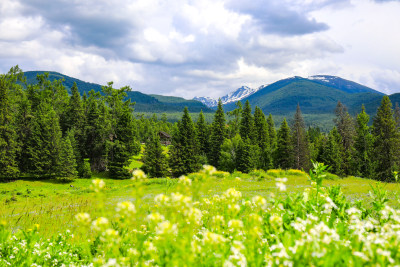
column 204, row 47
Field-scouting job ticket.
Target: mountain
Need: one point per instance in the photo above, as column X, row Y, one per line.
column 144, row 102
column 316, row 95
column 234, row 96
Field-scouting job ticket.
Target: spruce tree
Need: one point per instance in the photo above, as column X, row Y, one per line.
column 346, row 128
column 262, row 140
column 363, row 146
column 203, row 135
column 271, row 133
column 247, row 123
column 386, row 142
column 154, row 160
column 218, row 134
column 397, row 115
column 244, row 158
column 8, row 145
column 301, row 153
column 234, row 125
column 184, row 157
column 284, row 149
column 332, row 152
column 228, row 156
column 67, row 164
column 44, row 144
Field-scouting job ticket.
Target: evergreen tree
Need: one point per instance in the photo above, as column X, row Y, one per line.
column 363, row 145
column 397, row 115
column 8, row 145
column 203, row 135
column 301, row 154
column 284, row 149
column 262, row 139
column 116, row 166
column 67, row 164
column 345, row 126
column 271, row 133
column 154, row 160
column 332, row 153
column 244, row 158
column 228, row 156
column 44, row 144
column 218, row 134
column 184, row 156
column 247, row 123
column 386, row 141
column 234, row 125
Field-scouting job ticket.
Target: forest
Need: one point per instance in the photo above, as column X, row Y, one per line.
column 48, row 133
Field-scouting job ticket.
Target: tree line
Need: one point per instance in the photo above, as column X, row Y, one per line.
column 45, row 132
column 250, row 141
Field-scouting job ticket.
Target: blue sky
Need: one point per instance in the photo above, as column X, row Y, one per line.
column 203, row 47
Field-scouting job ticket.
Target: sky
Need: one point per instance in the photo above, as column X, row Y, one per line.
column 208, row 48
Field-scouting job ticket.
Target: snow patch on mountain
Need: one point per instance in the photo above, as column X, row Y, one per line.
column 234, row 96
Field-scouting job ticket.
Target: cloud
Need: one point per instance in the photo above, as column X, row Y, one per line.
column 202, row 47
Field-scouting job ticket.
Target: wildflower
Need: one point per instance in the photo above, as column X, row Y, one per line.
column 259, row 202
column 83, row 218
column 161, row 200
column 165, row 228
column 276, row 221
column 360, row 255
column 155, row 217
column 233, row 195
column 100, row 224
column 111, row 233
column 126, row 209
column 280, row 183
column 138, row 175
column 185, row 180
column 235, row 225
column 98, row 185
column 208, row 169
column 213, row 238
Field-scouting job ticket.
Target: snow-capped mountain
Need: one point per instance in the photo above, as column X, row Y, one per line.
column 341, row 84
column 234, row 96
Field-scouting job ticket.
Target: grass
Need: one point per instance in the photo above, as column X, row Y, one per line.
column 53, row 205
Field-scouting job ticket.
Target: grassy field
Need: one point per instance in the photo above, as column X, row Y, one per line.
column 53, row 205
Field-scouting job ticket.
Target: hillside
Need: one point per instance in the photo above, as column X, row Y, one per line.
column 144, row 102
column 316, row 95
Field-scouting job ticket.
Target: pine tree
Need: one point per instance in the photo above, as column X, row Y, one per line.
column 247, row 124
column 271, row 133
column 116, row 166
column 301, row 153
column 262, row 139
column 67, row 164
column 203, row 135
column 154, row 160
column 386, row 141
column 244, row 159
column 218, row 134
column 397, row 115
column 184, row 157
column 284, row 149
column 345, row 126
column 228, row 156
column 363, row 145
column 44, row 144
column 8, row 145
column 332, row 152
column 234, row 125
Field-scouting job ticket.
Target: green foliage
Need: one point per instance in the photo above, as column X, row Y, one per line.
column 386, row 141
column 67, row 168
column 155, row 162
column 203, row 135
column 229, row 153
column 86, row 170
column 184, row 154
column 247, row 130
column 301, row 155
column 284, row 149
column 218, row 134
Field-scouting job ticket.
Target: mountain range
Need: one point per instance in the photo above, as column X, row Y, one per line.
column 317, row 96
column 144, row 102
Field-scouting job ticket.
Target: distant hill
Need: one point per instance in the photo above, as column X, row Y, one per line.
column 316, row 95
column 144, row 102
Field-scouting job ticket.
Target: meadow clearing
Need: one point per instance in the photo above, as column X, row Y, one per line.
column 208, row 218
